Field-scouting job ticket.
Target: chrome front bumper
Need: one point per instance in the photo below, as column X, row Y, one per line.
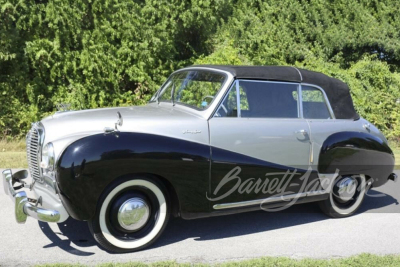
column 23, row 205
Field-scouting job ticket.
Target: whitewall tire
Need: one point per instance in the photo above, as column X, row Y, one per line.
column 341, row 202
column 131, row 215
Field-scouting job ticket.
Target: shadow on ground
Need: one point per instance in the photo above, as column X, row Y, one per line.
column 75, row 235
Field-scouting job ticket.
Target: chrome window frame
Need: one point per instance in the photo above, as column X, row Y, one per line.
column 239, row 109
column 226, row 94
column 236, row 83
column 239, row 115
column 211, row 109
column 327, row 103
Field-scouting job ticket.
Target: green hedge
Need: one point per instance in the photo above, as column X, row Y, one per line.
column 117, row 52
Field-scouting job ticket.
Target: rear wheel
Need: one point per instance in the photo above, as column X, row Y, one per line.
column 346, row 196
column 131, row 215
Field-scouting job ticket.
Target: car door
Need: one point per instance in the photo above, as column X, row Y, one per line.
column 259, row 142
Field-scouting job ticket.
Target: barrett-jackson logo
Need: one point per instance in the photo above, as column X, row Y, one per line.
column 275, row 187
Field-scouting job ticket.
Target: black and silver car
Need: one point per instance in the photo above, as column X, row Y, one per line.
column 213, row 140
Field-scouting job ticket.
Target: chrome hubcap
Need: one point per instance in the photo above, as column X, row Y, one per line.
column 345, row 189
column 133, row 214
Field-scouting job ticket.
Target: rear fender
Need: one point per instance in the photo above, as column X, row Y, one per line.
column 357, row 153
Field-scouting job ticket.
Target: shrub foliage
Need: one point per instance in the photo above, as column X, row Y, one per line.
column 98, row 53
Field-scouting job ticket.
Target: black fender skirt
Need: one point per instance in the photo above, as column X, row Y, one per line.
column 357, row 153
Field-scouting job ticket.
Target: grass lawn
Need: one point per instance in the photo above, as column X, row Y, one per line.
column 13, row 160
column 12, row 154
column 397, row 156
column 355, row 261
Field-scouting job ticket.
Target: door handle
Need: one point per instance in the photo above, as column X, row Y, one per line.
column 302, row 134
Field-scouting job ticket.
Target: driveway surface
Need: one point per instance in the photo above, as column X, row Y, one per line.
column 298, row 232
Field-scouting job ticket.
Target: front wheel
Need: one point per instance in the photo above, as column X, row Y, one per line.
column 346, row 196
column 131, row 215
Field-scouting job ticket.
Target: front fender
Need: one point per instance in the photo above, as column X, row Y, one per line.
column 357, row 153
column 89, row 165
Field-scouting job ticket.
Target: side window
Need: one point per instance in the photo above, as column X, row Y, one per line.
column 228, row 108
column 269, row 100
column 314, row 105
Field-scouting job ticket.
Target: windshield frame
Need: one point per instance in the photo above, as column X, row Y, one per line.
column 227, row 81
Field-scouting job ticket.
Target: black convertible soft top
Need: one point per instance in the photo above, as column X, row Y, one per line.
column 337, row 91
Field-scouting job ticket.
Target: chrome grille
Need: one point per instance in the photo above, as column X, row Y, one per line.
column 33, row 152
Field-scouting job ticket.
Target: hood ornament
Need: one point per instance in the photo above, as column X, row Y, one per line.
column 119, row 122
column 63, row 107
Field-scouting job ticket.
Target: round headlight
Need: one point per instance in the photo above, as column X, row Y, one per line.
column 48, row 158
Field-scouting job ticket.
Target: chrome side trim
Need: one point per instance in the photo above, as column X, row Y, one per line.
column 311, row 139
column 267, row 200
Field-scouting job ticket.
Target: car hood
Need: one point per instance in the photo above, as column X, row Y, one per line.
column 152, row 118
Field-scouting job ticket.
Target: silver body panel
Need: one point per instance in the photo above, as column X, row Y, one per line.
column 273, row 140
column 159, row 119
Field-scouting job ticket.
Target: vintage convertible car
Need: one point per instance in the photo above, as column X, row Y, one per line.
column 213, row 140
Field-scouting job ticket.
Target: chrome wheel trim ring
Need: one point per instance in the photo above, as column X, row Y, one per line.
column 357, row 203
column 133, row 214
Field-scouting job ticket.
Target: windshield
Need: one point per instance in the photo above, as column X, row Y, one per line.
column 194, row 88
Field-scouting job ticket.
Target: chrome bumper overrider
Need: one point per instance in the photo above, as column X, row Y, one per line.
column 23, row 206
column 393, row 177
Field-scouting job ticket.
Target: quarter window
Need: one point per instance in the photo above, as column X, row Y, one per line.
column 228, row 108
column 314, row 104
